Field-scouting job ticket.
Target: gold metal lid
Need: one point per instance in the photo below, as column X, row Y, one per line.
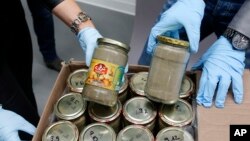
column 76, row 80
column 113, row 42
column 179, row 114
column 173, row 133
column 135, row 133
column 61, row 130
column 124, row 85
column 173, row 41
column 138, row 82
column 187, row 87
column 98, row 132
column 70, row 106
column 139, row 110
column 103, row 113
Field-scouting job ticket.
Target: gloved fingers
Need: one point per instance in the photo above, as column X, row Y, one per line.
column 223, row 87
column 25, row 126
column 125, row 71
column 202, row 84
column 89, row 54
column 193, row 34
column 209, row 89
column 237, row 86
column 172, row 34
column 13, row 137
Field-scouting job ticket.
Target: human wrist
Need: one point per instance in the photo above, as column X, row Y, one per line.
column 81, row 21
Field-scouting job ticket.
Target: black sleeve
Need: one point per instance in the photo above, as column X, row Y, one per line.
column 51, row 3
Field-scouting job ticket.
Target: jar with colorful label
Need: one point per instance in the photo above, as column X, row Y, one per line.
column 106, row 71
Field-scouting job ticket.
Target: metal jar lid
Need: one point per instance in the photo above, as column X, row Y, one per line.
column 103, row 113
column 179, row 114
column 124, row 85
column 113, row 42
column 135, row 133
column 138, row 82
column 76, row 80
column 139, row 110
column 70, row 106
column 174, row 133
column 173, row 41
column 98, row 132
column 187, row 87
column 61, row 130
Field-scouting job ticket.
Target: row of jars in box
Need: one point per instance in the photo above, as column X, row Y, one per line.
column 136, row 111
column 133, row 86
column 131, row 111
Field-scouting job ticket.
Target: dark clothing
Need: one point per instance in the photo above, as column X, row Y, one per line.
column 16, row 92
column 44, row 28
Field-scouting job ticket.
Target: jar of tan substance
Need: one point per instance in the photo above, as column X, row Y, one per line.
column 167, row 69
column 140, row 111
column 135, row 133
column 174, row 134
column 105, row 72
column 137, row 84
column 106, row 114
column 71, row 107
column 76, row 79
column 61, row 131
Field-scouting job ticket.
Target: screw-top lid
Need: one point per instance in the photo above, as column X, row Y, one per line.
column 98, row 132
column 70, row 106
column 187, row 87
column 138, row 82
column 77, row 79
column 174, row 133
column 113, row 42
column 139, row 110
column 173, row 41
column 61, row 130
column 179, row 114
column 135, row 133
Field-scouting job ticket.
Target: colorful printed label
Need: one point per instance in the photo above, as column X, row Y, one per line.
column 104, row 74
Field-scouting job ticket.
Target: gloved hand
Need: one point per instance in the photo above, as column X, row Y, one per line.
column 88, row 41
column 10, row 123
column 187, row 13
column 221, row 65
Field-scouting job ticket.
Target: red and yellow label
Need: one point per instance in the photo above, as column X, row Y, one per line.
column 104, row 74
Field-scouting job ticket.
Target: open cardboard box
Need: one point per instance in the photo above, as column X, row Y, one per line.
column 210, row 124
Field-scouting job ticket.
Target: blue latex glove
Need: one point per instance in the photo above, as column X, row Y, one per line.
column 10, row 123
column 221, row 65
column 187, row 13
column 88, row 41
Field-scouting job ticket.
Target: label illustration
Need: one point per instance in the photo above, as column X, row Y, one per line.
column 104, row 74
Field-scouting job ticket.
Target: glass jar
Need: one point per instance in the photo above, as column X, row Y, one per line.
column 166, row 70
column 76, row 79
column 123, row 92
column 174, row 134
column 137, row 84
column 61, row 131
column 97, row 132
column 71, row 107
column 187, row 88
column 106, row 114
column 140, row 111
column 178, row 115
column 105, row 72
column 135, row 133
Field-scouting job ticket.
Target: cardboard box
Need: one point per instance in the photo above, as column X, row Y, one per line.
column 59, row 89
column 210, row 124
column 214, row 124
